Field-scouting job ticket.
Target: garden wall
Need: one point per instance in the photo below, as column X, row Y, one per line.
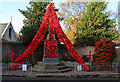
column 118, row 53
column 19, row 49
column 118, row 58
column 8, row 46
column 81, row 50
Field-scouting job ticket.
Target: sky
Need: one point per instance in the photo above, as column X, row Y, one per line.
column 10, row 8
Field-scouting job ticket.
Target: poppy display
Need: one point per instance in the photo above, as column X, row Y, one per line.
column 50, row 44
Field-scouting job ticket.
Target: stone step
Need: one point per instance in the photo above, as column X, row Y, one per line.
column 49, row 64
column 37, row 66
column 58, row 67
column 40, row 68
column 51, row 67
column 41, row 63
column 57, row 71
column 62, row 67
column 52, row 71
column 61, row 64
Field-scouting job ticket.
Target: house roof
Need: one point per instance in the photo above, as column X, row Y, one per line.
column 3, row 28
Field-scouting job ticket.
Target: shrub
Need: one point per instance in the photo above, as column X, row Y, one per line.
column 105, row 52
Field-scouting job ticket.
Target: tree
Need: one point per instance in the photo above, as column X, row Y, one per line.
column 34, row 16
column 95, row 24
column 17, row 36
column 70, row 11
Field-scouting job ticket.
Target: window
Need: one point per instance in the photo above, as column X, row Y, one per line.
column 10, row 33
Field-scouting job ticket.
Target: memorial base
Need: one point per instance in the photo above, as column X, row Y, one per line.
column 50, row 60
column 51, row 67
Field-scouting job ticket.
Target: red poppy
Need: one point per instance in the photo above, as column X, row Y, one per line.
column 107, row 40
column 7, row 56
column 65, row 55
column 105, row 51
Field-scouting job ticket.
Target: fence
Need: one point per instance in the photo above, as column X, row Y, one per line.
column 109, row 67
column 22, row 69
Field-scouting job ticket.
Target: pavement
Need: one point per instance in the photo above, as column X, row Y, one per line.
column 74, row 74
column 82, row 76
column 53, row 78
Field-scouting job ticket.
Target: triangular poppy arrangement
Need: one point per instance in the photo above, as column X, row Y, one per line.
column 51, row 19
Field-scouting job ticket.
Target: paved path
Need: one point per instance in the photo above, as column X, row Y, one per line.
column 71, row 73
column 54, row 78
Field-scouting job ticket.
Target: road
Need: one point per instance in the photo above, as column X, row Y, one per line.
column 56, row 79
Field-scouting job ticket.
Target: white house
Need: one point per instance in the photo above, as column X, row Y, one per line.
column 7, row 32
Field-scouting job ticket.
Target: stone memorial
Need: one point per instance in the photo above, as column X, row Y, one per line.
column 50, row 60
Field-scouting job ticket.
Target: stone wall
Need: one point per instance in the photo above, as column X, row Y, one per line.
column 83, row 50
column 62, row 49
column 118, row 52
column 20, row 48
column 118, row 58
column 8, row 46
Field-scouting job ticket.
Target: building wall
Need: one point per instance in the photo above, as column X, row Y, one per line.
column 6, row 34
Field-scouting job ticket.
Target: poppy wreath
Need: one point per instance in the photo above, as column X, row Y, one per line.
column 105, row 53
column 50, row 16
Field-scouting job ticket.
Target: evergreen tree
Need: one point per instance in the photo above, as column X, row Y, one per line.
column 95, row 24
column 34, row 16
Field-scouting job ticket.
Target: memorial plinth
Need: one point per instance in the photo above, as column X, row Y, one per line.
column 50, row 51
column 51, row 67
column 50, row 60
column 51, row 63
